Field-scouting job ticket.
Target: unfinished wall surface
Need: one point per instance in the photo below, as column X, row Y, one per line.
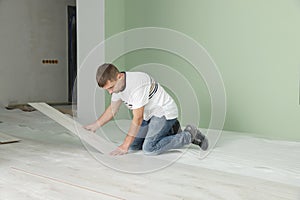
column 33, row 30
column 255, row 45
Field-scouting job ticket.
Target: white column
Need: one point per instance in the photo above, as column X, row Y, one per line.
column 90, row 33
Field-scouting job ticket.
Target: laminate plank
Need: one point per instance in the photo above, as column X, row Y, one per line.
column 4, row 139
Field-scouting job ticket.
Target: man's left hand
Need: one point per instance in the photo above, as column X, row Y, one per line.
column 119, row 151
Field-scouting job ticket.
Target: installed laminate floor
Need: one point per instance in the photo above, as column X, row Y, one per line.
column 51, row 163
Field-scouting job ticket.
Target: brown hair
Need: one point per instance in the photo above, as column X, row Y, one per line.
column 106, row 72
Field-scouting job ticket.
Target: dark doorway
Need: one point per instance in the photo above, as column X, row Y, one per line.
column 72, row 54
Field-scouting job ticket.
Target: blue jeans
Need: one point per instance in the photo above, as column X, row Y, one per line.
column 154, row 136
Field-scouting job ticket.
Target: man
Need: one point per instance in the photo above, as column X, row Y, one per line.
column 154, row 127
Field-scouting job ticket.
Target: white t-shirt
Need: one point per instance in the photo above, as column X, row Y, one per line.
column 141, row 90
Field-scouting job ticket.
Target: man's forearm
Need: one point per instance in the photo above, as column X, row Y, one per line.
column 104, row 118
column 133, row 130
column 109, row 113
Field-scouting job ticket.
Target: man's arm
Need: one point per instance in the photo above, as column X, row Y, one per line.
column 108, row 114
column 133, row 130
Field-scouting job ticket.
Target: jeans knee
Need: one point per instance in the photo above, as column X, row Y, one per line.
column 149, row 153
column 148, row 149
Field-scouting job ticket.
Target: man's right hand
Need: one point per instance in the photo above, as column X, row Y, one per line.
column 92, row 127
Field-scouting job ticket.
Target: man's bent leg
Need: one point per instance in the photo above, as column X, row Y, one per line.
column 158, row 139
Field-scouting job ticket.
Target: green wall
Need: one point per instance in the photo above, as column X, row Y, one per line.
column 255, row 44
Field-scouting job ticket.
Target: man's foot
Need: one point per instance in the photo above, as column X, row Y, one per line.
column 197, row 137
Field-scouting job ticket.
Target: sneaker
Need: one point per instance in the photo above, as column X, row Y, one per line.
column 197, row 137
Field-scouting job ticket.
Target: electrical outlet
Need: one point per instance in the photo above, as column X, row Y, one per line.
column 50, row 61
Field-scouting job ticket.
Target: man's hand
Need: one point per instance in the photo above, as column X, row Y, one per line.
column 92, row 127
column 105, row 117
column 119, row 151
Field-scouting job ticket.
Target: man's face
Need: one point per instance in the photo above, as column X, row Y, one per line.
column 109, row 86
column 114, row 86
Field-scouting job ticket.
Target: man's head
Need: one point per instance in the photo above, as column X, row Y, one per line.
column 109, row 78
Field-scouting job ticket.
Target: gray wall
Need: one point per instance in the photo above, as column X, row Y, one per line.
column 33, row 30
